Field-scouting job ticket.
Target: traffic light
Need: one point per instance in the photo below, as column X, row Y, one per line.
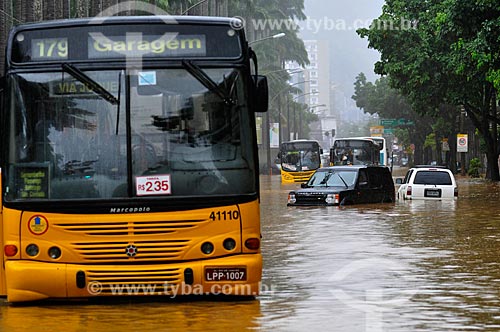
column 333, row 132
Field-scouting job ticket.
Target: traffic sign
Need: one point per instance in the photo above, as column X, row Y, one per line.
column 462, row 142
column 388, row 122
column 396, row 122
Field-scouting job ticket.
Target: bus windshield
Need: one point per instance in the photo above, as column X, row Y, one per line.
column 352, row 151
column 165, row 134
column 300, row 156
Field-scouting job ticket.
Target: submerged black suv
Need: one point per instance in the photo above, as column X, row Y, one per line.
column 343, row 185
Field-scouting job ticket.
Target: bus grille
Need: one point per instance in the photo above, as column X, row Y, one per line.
column 128, row 241
column 135, row 282
column 301, row 176
column 123, row 228
column 116, row 251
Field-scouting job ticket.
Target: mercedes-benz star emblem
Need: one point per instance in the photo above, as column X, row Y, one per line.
column 131, row 250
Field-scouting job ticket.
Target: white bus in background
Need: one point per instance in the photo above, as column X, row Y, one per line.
column 384, row 152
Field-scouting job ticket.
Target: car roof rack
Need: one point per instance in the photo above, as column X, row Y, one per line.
column 430, row 166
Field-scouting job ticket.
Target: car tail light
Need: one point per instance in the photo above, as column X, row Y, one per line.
column 408, row 191
column 455, row 192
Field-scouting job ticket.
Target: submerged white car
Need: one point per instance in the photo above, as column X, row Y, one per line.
column 428, row 182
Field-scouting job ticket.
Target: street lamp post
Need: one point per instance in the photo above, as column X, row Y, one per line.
column 276, row 36
column 316, row 105
column 193, row 6
column 293, row 71
column 294, row 113
column 279, row 106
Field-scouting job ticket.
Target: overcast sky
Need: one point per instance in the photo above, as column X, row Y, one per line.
column 336, row 22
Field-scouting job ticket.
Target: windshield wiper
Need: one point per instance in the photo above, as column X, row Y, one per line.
column 345, row 183
column 90, row 83
column 326, row 178
column 207, row 82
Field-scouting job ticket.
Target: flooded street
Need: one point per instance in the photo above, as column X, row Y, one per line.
column 409, row 266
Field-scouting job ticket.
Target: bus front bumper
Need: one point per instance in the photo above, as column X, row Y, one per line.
column 236, row 275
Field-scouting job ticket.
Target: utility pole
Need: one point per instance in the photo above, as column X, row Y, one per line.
column 462, row 154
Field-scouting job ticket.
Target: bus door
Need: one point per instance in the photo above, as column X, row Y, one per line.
column 3, row 290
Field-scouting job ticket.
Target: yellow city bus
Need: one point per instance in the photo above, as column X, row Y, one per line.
column 129, row 159
column 299, row 160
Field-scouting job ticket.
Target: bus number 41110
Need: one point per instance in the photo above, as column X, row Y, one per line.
column 225, row 215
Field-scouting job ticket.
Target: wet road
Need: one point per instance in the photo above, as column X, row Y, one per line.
column 409, row 266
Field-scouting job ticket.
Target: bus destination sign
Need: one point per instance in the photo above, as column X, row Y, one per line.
column 133, row 46
column 136, row 45
column 91, row 43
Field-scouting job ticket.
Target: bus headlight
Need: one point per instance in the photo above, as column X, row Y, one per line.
column 54, row 252
column 32, row 250
column 207, row 248
column 291, row 198
column 229, row 244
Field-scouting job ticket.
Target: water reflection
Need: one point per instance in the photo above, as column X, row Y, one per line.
column 193, row 315
column 407, row 266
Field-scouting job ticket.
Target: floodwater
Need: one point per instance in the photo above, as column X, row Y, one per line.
column 408, row 266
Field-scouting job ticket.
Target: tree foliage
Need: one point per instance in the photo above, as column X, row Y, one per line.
column 449, row 54
column 265, row 18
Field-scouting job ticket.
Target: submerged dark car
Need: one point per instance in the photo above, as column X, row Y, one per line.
column 344, row 185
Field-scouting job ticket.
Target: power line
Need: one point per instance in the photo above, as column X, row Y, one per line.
column 10, row 16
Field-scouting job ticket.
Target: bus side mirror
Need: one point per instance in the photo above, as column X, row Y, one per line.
column 261, row 93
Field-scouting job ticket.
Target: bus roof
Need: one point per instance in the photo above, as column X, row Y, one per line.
column 301, row 140
column 149, row 19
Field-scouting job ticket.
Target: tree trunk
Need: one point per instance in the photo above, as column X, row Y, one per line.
column 485, row 120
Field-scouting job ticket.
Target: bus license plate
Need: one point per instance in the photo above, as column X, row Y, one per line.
column 225, row 273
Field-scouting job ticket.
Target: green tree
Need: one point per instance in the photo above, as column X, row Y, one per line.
column 265, row 18
column 448, row 56
column 380, row 98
